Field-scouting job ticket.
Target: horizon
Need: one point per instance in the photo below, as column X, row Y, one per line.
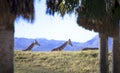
column 51, row 27
column 51, row 39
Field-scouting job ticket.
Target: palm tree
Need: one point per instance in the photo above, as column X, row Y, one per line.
column 99, row 15
column 9, row 10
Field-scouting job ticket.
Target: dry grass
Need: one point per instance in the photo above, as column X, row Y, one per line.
column 56, row 62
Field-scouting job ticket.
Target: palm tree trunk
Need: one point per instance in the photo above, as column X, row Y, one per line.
column 116, row 52
column 116, row 56
column 103, row 55
column 6, row 51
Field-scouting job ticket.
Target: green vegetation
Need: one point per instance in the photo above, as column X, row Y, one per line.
column 56, row 62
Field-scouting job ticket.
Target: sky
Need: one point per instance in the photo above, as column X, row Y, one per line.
column 51, row 27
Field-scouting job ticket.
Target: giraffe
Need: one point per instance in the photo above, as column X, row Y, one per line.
column 60, row 48
column 87, row 48
column 32, row 45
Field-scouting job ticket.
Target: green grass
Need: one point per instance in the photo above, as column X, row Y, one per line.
column 56, row 62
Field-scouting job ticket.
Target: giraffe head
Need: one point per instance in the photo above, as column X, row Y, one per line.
column 36, row 43
column 69, row 42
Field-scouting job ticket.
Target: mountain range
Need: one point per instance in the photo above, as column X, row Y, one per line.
column 48, row 45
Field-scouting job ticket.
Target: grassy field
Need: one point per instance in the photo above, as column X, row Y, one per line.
column 56, row 62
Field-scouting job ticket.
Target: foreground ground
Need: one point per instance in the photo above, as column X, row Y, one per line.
column 57, row 62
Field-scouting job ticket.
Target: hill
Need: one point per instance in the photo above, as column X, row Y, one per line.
column 48, row 45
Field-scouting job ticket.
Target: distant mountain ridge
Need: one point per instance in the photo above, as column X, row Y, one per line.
column 48, row 45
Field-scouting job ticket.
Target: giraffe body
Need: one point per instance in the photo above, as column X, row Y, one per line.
column 90, row 48
column 32, row 45
column 60, row 48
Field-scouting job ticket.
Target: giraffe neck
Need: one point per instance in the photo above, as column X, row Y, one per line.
column 61, row 47
column 30, row 47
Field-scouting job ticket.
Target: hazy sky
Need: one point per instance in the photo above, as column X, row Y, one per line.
column 51, row 27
